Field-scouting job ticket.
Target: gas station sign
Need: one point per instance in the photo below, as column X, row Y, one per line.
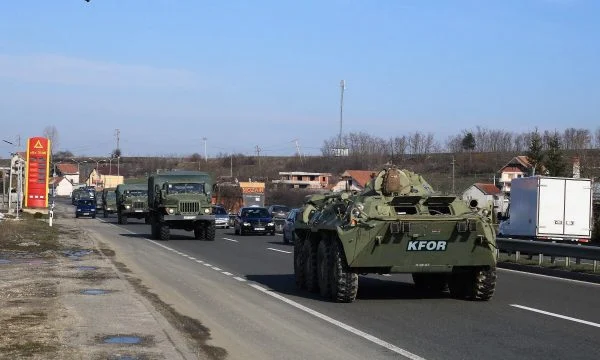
column 36, row 175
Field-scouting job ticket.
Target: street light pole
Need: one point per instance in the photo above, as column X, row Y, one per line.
column 205, row 157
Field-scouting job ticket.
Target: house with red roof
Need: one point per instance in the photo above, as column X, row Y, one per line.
column 517, row 167
column 68, row 171
column 487, row 194
column 356, row 179
column 60, row 185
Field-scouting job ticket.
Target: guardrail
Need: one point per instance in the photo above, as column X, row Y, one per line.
column 568, row 251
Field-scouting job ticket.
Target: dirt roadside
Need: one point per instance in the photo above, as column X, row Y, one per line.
column 63, row 296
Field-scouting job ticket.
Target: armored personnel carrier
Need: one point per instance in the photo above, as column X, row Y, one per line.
column 396, row 225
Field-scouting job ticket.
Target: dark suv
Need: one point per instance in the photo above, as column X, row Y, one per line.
column 253, row 219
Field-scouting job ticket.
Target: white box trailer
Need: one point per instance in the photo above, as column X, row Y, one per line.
column 549, row 208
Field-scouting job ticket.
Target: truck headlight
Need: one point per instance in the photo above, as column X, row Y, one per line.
column 171, row 210
column 127, row 207
column 206, row 211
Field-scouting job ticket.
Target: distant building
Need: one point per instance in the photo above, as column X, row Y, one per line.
column 353, row 180
column 101, row 181
column 486, row 194
column 61, row 186
column 517, row 167
column 68, row 171
column 303, row 180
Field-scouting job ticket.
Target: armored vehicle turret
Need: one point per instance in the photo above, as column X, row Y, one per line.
column 396, row 225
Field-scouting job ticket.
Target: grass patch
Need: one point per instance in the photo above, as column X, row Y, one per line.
column 28, row 235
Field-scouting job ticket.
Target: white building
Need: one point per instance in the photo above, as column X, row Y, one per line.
column 61, row 185
column 487, row 194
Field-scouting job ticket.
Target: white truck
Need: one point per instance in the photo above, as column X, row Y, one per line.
column 549, row 208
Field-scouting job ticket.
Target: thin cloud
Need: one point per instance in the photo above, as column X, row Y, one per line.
column 64, row 70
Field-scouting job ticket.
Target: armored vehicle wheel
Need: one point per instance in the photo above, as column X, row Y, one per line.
column 164, row 232
column 199, row 233
column 477, row 283
column 299, row 260
column 324, row 268
column 105, row 214
column 431, row 282
column 310, row 265
column 209, row 231
column 344, row 283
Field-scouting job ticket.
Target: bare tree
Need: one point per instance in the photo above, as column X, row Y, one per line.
column 51, row 133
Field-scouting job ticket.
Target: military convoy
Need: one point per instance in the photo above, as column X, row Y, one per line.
column 132, row 202
column 181, row 200
column 396, row 225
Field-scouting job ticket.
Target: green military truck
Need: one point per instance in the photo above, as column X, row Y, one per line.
column 181, row 200
column 132, row 202
column 109, row 201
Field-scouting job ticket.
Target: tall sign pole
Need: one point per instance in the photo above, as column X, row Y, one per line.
column 36, row 172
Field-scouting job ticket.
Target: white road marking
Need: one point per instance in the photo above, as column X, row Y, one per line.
column 199, row 261
column 283, row 251
column 207, row 264
column 232, row 240
column 226, row 273
column 386, row 275
column 216, row 268
column 549, row 277
column 340, row 324
column 556, row 315
column 239, row 278
column 191, row 258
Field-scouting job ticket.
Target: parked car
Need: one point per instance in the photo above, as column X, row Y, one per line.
column 221, row 217
column 85, row 207
column 253, row 219
column 279, row 213
column 290, row 225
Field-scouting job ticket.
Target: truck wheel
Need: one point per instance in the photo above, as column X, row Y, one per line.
column 199, row 231
column 435, row 283
column 124, row 220
column 299, row 261
column 477, row 283
column 119, row 218
column 105, row 214
column 147, row 220
column 164, row 232
column 209, row 231
column 344, row 282
column 324, row 267
column 310, row 266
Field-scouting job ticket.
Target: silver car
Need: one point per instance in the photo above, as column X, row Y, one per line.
column 221, row 217
column 289, row 226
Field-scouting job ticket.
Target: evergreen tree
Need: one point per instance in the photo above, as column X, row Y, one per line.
column 554, row 160
column 535, row 153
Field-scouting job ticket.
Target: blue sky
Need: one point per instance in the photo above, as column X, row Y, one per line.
column 266, row 72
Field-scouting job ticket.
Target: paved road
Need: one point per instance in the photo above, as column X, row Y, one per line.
column 242, row 288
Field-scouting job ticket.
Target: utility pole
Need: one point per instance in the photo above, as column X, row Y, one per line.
column 118, row 149
column 298, row 153
column 342, row 88
column 258, row 150
column 231, row 165
column 453, row 163
column 205, row 156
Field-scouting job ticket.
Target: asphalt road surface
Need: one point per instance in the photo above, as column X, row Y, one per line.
column 242, row 288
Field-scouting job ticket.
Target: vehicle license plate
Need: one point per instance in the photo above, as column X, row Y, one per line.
column 258, row 229
column 86, row 213
column 139, row 211
column 188, row 217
